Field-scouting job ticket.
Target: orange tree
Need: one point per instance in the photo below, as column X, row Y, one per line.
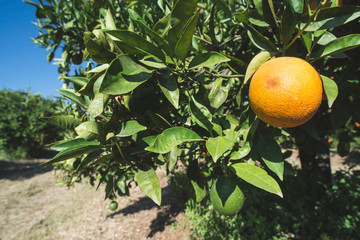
column 167, row 81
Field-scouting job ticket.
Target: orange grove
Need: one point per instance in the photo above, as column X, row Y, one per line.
column 285, row 92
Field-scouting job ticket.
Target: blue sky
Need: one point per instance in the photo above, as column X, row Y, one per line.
column 23, row 64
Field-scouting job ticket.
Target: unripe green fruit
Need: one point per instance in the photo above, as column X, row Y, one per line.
column 226, row 195
column 113, row 205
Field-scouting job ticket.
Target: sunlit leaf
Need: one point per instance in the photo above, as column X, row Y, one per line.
column 218, row 146
column 331, row 90
column 257, row 177
column 337, row 46
column 168, row 86
column 129, row 128
column 209, row 59
column 149, row 183
column 172, row 137
column 123, row 76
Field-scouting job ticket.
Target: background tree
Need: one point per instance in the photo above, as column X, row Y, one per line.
column 22, row 133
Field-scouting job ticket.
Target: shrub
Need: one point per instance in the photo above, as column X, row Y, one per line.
column 320, row 212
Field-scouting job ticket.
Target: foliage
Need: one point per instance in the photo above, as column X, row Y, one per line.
column 22, row 134
column 324, row 212
column 170, row 82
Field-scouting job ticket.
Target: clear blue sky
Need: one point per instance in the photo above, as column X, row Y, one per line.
column 23, row 64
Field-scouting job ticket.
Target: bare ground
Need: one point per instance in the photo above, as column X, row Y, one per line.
column 33, row 206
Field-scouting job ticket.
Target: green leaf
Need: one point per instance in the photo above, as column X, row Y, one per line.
column 326, row 38
column 242, row 152
column 259, row 7
column 80, row 81
column 307, row 39
column 163, row 25
column 287, row 25
column 64, row 121
column 160, row 163
column 183, row 44
column 218, row 146
column 199, row 189
column 152, row 34
column 182, row 12
column 75, row 151
column 99, row 68
column 88, row 89
column 73, row 96
column 136, row 41
column 337, row 46
column 332, row 17
column 149, row 183
column 96, row 106
column 93, row 156
column 209, row 60
column 296, row 6
column 78, row 142
column 130, row 128
column 331, row 89
column 97, row 52
column 181, row 16
column 253, row 17
column 272, row 10
column 270, row 153
column 142, row 144
column 255, row 63
column 168, row 86
column 153, row 63
column 123, row 76
column 171, row 158
column 200, row 114
column 218, row 94
column 259, row 40
column 172, row 137
column 223, row 6
column 109, row 20
column 89, row 130
column 257, row 177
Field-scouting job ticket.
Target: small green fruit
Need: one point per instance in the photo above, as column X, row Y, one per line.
column 226, row 195
column 113, row 205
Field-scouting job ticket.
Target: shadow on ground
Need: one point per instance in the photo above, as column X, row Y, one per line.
column 353, row 159
column 16, row 170
column 171, row 206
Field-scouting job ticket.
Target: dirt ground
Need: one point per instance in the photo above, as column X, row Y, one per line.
column 33, row 206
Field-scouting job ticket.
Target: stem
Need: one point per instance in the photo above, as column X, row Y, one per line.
column 311, row 18
column 228, row 76
column 299, row 33
column 120, row 151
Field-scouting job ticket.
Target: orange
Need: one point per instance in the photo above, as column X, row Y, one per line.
column 113, row 205
column 226, row 195
column 285, row 92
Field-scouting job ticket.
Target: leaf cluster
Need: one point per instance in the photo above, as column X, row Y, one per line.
column 169, row 85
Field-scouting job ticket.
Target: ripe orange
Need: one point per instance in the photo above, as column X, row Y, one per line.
column 285, row 92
